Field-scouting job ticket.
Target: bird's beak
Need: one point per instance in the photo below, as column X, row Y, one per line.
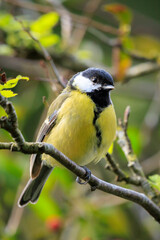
column 109, row 87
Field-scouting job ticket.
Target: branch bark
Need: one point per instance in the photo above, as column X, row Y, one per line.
column 21, row 145
column 121, row 175
column 133, row 162
column 139, row 198
column 141, row 69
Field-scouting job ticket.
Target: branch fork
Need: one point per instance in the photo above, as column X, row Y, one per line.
column 20, row 145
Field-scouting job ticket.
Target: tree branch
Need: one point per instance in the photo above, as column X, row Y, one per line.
column 133, row 162
column 139, row 198
column 141, row 69
column 11, row 125
column 121, row 175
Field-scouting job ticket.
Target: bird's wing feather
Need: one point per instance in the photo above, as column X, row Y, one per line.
column 48, row 124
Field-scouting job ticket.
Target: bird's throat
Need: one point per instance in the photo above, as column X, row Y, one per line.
column 101, row 98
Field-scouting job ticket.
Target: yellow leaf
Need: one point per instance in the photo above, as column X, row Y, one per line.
column 19, row 77
column 49, row 40
column 11, row 84
column 7, row 93
column 45, row 23
column 122, row 13
column 146, row 46
column 124, row 64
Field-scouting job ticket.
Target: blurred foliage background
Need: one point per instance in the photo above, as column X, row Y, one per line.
column 121, row 37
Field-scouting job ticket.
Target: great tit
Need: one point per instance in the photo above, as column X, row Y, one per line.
column 81, row 123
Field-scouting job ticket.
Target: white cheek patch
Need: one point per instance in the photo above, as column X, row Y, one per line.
column 84, row 84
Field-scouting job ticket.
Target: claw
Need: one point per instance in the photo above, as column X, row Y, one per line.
column 87, row 176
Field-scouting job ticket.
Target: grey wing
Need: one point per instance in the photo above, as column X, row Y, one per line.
column 36, row 161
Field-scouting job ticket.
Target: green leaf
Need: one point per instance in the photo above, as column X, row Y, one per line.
column 6, row 50
column 7, row 93
column 49, row 40
column 154, row 180
column 127, row 43
column 4, row 19
column 8, row 23
column 122, row 13
column 45, row 23
column 136, row 139
column 146, row 46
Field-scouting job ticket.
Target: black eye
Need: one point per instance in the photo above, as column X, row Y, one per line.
column 95, row 79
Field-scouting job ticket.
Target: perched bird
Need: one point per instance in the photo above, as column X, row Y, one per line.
column 81, row 123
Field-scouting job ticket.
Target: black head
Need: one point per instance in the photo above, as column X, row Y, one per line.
column 92, row 80
column 99, row 76
column 96, row 83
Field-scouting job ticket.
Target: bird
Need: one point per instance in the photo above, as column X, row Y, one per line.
column 80, row 123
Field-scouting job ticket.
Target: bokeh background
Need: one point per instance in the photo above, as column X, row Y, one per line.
column 121, row 37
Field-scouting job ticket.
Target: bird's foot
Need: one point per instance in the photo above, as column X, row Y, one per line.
column 87, row 176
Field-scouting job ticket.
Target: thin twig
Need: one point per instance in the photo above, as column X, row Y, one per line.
column 121, row 175
column 125, row 127
column 46, row 54
column 112, row 42
column 29, row 5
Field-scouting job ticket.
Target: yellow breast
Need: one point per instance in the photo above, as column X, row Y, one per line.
column 107, row 124
column 75, row 134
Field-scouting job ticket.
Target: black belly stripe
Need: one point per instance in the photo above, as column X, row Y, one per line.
column 101, row 98
column 97, row 112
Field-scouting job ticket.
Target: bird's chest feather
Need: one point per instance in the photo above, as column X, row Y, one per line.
column 107, row 125
column 79, row 132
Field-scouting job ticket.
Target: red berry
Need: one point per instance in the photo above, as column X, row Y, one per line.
column 54, row 223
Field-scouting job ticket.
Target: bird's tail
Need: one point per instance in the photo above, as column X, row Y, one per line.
column 34, row 187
